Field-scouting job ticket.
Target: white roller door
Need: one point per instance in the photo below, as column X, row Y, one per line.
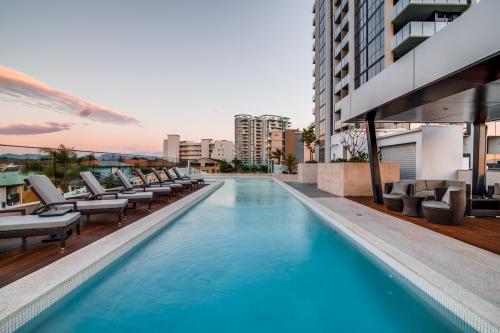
column 405, row 155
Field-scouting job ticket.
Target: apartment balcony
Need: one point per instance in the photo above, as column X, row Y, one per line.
column 314, row 110
column 314, row 45
column 314, row 33
column 342, row 84
column 344, row 5
column 337, row 107
column 314, row 98
column 337, row 34
column 314, row 21
column 336, row 15
column 341, row 65
column 413, row 34
column 417, row 10
column 314, row 8
column 338, row 125
column 314, row 72
column 344, row 24
column 344, row 44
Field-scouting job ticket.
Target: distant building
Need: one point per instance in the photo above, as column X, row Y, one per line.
column 256, row 137
column 11, row 186
column 206, row 164
column 294, row 145
column 174, row 149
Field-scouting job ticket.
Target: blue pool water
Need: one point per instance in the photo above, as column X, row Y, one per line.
column 250, row 258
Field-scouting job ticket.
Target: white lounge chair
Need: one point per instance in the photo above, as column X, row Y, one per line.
column 129, row 187
column 33, row 225
column 186, row 183
column 185, row 177
column 51, row 198
column 99, row 192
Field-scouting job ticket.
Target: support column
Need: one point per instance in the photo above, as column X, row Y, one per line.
column 479, row 158
column 371, row 140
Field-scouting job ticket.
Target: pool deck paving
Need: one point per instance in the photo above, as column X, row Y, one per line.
column 469, row 267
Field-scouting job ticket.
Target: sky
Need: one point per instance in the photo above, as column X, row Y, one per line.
column 119, row 76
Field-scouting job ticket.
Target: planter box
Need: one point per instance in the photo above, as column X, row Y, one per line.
column 353, row 179
column 308, row 173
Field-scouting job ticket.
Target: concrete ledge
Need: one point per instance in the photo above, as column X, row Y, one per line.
column 25, row 298
column 460, row 305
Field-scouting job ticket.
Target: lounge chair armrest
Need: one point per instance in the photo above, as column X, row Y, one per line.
column 491, row 191
column 16, row 210
column 439, row 193
column 62, row 203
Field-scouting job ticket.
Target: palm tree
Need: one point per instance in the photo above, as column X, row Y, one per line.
column 277, row 154
column 309, row 139
column 290, row 162
column 237, row 165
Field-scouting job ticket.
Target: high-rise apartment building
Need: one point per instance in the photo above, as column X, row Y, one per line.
column 354, row 40
column 174, row 149
column 253, row 137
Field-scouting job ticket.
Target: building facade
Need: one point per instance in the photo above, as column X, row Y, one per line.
column 354, row 40
column 174, row 149
column 256, row 137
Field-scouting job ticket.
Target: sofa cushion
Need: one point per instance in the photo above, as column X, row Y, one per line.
column 400, row 188
column 432, row 184
column 435, row 204
column 392, row 196
column 446, row 196
column 455, row 183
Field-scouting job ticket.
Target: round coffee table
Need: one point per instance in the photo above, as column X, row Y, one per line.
column 412, row 206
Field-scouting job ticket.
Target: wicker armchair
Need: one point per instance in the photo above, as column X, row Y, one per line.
column 449, row 208
column 393, row 192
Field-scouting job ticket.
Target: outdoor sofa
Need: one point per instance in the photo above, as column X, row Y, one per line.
column 99, row 192
column 23, row 226
column 447, row 208
column 427, row 188
column 51, row 198
column 394, row 193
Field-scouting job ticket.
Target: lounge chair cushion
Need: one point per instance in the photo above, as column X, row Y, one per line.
column 45, row 189
column 97, row 204
column 135, row 195
column 399, row 188
column 163, row 189
column 27, row 222
column 435, row 204
column 94, row 185
column 124, row 180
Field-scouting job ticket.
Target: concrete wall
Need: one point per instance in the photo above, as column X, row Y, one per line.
column 442, row 152
column 205, row 148
column 439, row 150
column 352, row 179
column 308, row 173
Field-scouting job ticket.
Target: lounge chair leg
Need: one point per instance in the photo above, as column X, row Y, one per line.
column 120, row 219
column 24, row 240
column 78, row 230
column 62, row 235
column 88, row 217
column 150, row 201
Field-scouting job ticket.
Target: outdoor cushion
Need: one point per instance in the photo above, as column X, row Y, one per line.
column 176, row 185
column 163, row 189
column 426, row 193
column 432, row 184
column 496, row 189
column 455, row 183
column 97, row 204
column 392, row 196
column 26, row 222
column 135, row 195
column 45, row 189
column 446, row 196
column 399, row 188
column 94, row 185
column 435, row 204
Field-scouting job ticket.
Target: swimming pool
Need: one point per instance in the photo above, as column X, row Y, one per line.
column 249, row 258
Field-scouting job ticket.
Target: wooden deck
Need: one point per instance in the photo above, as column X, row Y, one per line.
column 483, row 232
column 18, row 259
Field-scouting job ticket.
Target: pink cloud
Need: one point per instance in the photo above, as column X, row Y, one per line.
column 23, row 129
column 18, row 87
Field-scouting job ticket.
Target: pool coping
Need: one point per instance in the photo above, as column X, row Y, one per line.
column 24, row 299
column 436, row 289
